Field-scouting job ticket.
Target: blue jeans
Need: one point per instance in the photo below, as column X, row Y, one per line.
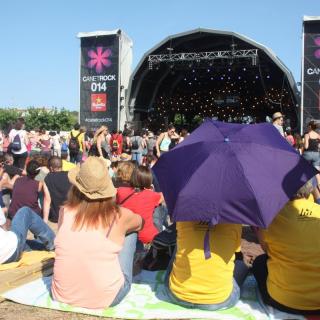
column 228, row 303
column 136, row 156
column 26, row 219
column 75, row 157
column 126, row 263
column 312, row 157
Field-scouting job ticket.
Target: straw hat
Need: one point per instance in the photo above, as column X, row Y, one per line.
column 277, row 115
column 125, row 157
column 92, row 179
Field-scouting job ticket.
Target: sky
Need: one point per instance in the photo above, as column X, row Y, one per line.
column 39, row 50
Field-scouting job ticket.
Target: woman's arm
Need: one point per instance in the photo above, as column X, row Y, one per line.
column 161, row 200
column 26, row 139
column 46, row 203
column 99, row 141
column 306, row 141
column 40, row 187
column 158, row 142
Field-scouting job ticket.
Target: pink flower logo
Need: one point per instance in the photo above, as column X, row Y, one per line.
column 99, row 59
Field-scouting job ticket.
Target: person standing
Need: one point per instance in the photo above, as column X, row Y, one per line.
column 18, row 144
column 277, row 121
column 137, row 146
column 116, row 143
column 76, row 144
column 56, row 143
column 45, row 143
column 99, row 142
column 164, row 140
column 1, row 142
column 311, row 147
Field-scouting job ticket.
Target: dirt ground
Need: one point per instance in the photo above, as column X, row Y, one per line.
column 13, row 311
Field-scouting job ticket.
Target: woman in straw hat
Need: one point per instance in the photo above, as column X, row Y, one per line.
column 95, row 243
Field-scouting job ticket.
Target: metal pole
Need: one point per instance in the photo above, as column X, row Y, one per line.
column 302, row 83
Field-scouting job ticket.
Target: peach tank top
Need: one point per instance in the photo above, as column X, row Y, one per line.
column 86, row 271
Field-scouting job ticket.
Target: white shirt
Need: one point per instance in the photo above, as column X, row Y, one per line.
column 8, row 241
column 280, row 129
column 56, row 141
column 22, row 134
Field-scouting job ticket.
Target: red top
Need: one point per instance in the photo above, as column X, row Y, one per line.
column 118, row 137
column 142, row 203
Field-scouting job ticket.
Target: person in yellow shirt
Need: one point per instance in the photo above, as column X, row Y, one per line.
column 66, row 165
column 210, row 284
column 76, row 144
column 288, row 276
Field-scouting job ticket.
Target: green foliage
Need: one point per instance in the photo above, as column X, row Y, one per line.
column 8, row 117
column 179, row 119
column 37, row 118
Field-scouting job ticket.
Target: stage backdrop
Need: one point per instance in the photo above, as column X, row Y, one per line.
column 310, row 104
column 99, row 81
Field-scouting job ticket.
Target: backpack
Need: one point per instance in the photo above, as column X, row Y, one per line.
column 74, row 145
column 161, row 250
column 115, row 145
column 64, row 147
column 135, row 144
column 16, row 143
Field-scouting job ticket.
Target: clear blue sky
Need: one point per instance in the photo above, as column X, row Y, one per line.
column 39, row 51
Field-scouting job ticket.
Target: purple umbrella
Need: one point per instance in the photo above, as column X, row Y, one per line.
column 231, row 173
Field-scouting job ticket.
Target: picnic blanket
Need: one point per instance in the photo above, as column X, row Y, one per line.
column 147, row 300
column 28, row 258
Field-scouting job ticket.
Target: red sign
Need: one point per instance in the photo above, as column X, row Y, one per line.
column 98, row 102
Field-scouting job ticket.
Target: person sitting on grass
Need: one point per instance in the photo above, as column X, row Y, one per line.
column 55, row 188
column 95, row 243
column 193, row 281
column 26, row 191
column 123, row 175
column 288, row 275
column 13, row 242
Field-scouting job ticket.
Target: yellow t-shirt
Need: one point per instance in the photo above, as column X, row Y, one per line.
column 293, row 243
column 80, row 138
column 195, row 279
column 67, row 166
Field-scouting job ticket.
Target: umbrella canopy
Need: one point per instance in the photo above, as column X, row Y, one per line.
column 231, row 173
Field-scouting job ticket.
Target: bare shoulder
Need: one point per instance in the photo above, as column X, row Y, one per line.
column 124, row 212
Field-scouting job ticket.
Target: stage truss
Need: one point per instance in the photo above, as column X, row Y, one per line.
column 229, row 55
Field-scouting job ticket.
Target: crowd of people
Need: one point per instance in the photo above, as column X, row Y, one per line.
column 93, row 198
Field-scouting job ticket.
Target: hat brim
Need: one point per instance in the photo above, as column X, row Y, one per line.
column 109, row 192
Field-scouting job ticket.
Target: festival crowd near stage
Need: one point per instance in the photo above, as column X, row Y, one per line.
column 210, row 180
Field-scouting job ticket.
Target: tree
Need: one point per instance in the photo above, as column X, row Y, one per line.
column 8, row 117
column 39, row 118
column 52, row 119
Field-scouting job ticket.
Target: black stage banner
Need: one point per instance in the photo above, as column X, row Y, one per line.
column 311, row 71
column 99, row 81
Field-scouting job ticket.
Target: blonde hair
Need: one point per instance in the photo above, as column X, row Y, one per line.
column 124, row 171
column 99, row 132
column 91, row 214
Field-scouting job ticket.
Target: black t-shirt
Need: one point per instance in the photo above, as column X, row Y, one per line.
column 58, row 185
